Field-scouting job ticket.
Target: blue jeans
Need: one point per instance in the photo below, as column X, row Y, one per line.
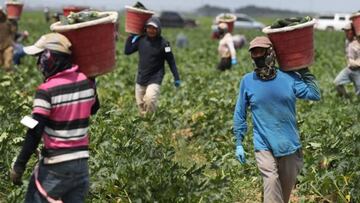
column 18, row 53
column 68, row 181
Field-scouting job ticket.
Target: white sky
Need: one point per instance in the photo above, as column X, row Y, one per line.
column 318, row 6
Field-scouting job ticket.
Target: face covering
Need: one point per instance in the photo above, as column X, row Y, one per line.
column 264, row 67
column 50, row 62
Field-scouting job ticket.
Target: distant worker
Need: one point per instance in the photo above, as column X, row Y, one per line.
column 18, row 39
column 226, row 48
column 47, row 14
column 181, row 40
column 7, row 32
column 153, row 51
column 351, row 73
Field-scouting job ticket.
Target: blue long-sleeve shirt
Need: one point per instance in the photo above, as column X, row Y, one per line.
column 272, row 104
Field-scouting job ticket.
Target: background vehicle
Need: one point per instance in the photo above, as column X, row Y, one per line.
column 332, row 22
column 174, row 19
column 243, row 21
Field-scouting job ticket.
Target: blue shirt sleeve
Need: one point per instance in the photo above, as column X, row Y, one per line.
column 305, row 86
column 240, row 125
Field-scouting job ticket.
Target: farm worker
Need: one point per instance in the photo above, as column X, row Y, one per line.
column 19, row 37
column 181, row 40
column 153, row 51
column 7, row 31
column 226, row 48
column 271, row 94
column 351, row 73
column 62, row 107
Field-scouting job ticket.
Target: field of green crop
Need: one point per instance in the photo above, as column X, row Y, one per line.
column 185, row 151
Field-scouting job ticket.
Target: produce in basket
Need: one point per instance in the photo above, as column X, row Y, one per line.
column 81, row 17
column 280, row 23
column 139, row 6
column 226, row 17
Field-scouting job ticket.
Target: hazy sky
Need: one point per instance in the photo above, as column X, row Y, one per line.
column 319, row 6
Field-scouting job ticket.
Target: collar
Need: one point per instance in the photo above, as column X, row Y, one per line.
column 73, row 69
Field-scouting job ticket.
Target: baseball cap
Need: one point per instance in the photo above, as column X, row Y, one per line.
column 261, row 41
column 51, row 41
column 152, row 24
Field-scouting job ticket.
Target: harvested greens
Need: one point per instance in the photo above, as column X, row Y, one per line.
column 81, row 17
column 280, row 23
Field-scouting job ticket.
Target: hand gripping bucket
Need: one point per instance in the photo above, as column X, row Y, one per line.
column 14, row 9
column 355, row 18
column 136, row 19
column 294, row 45
column 75, row 9
column 93, row 43
column 229, row 21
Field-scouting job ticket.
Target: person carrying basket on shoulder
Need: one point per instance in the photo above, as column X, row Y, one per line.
column 61, row 112
column 271, row 95
column 153, row 50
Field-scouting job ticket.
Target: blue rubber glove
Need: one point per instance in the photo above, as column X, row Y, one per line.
column 135, row 37
column 233, row 61
column 177, row 83
column 240, row 154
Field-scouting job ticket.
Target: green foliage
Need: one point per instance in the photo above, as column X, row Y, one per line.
column 185, row 151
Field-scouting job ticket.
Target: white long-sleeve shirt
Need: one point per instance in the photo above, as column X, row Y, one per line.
column 226, row 47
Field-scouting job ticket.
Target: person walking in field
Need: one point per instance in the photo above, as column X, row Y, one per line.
column 62, row 108
column 271, row 95
column 7, row 33
column 351, row 73
column 153, row 51
column 226, row 48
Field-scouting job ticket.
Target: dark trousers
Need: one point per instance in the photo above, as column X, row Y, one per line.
column 68, row 181
column 224, row 64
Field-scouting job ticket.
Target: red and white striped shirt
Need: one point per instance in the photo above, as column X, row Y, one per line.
column 65, row 99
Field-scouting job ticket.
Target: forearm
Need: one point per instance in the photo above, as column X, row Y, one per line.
column 232, row 50
column 240, row 125
column 313, row 91
column 129, row 46
column 171, row 61
column 31, row 142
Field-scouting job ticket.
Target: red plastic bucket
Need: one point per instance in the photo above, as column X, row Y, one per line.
column 355, row 18
column 135, row 19
column 93, row 47
column 230, row 22
column 75, row 9
column 294, row 45
column 14, row 9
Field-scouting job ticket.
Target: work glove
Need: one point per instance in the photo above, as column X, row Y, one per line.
column 135, row 37
column 16, row 177
column 233, row 61
column 177, row 83
column 240, row 154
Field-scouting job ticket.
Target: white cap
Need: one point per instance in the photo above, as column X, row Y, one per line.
column 152, row 24
column 51, row 41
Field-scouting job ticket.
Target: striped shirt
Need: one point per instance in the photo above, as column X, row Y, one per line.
column 66, row 99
